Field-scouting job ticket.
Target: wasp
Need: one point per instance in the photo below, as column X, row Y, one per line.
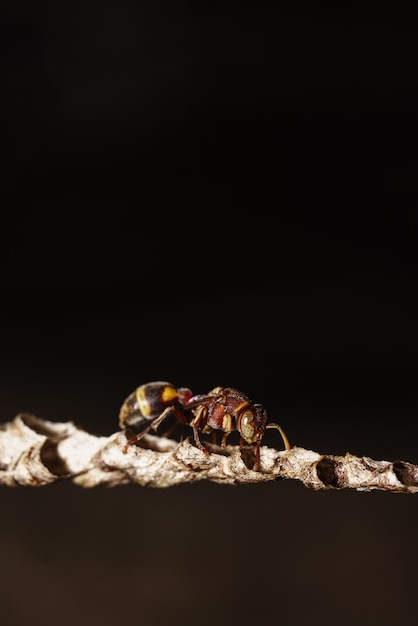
column 223, row 409
column 150, row 404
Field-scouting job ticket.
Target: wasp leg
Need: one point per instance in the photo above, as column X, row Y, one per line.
column 200, row 417
column 180, row 417
column 198, row 442
column 256, row 465
column 152, row 426
column 224, row 438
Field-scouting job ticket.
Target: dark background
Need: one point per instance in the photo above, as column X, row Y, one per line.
column 211, row 194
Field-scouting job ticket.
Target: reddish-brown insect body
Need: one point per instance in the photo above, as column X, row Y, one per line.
column 224, row 408
column 228, row 409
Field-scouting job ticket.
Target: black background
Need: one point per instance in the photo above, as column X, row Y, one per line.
column 211, row 194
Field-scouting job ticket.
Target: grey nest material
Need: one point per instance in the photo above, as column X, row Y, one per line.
column 36, row 452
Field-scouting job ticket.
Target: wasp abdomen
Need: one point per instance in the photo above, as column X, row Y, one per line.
column 146, row 403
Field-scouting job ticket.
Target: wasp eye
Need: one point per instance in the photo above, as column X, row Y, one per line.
column 247, row 426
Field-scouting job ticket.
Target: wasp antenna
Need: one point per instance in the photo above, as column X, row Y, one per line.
column 283, row 434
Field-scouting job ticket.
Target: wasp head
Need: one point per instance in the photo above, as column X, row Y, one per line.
column 251, row 422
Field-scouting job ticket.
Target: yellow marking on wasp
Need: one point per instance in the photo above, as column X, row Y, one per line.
column 241, row 407
column 141, row 398
column 168, row 394
column 123, row 414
